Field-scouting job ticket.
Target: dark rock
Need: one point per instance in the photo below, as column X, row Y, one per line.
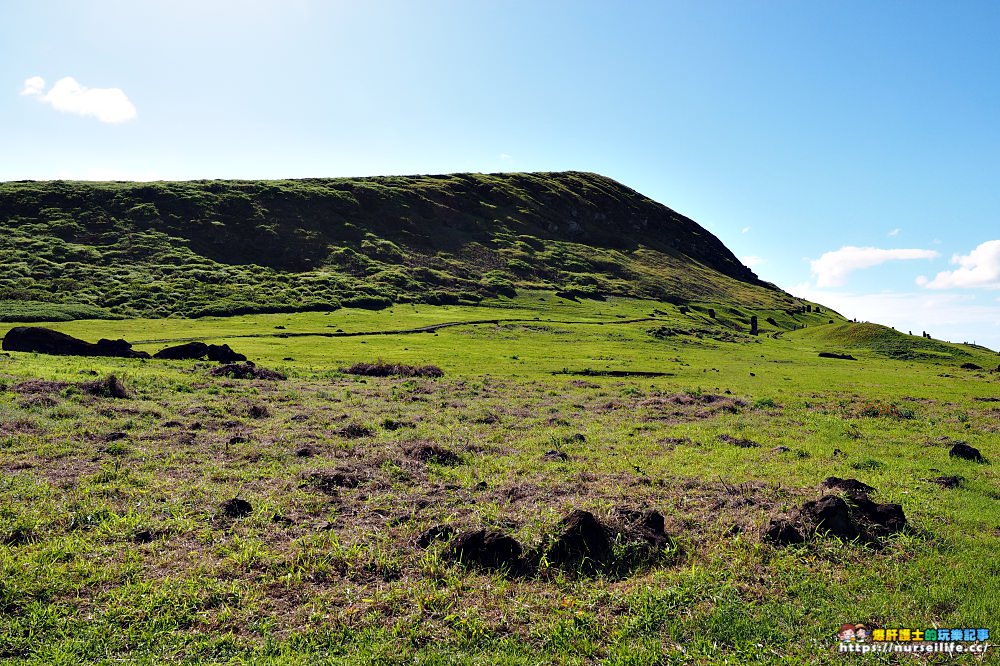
column 842, row 357
column 435, row 533
column 553, row 455
column 782, row 532
column 485, row 548
column 190, row 350
column 236, row 508
column 46, row 341
column 583, row 543
column 850, row 486
column 831, row 514
column 781, row 449
column 971, row 366
column 947, row 481
column 966, row 452
column 304, row 452
column 224, row 354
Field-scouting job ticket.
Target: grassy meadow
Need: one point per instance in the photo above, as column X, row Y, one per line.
column 114, row 547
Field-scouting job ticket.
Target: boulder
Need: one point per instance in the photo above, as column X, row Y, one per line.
column 46, row 341
column 966, row 452
column 190, row 350
column 224, row 354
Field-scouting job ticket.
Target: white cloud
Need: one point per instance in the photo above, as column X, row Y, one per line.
column 894, row 232
column 832, row 269
column 752, row 260
column 505, row 157
column 979, row 268
column 745, row 230
column 108, row 105
column 956, row 317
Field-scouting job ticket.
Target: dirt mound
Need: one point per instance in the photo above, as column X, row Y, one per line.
column 855, row 519
column 236, row 508
column 486, row 549
column 741, row 442
column 842, row 357
column 583, row 543
column 430, row 452
column 246, row 370
column 850, row 486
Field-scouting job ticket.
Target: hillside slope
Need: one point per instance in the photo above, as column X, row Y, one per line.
column 885, row 341
column 225, row 247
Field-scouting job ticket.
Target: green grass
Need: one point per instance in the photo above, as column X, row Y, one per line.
column 314, row 577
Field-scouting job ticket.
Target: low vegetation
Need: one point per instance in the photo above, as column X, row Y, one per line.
column 499, row 510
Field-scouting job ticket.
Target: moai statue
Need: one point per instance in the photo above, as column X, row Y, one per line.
column 753, row 325
column 711, row 313
column 809, row 308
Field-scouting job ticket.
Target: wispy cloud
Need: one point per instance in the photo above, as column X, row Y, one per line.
column 752, row 260
column 745, row 230
column 108, row 105
column 980, row 268
column 832, row 268
column 956, row 317
column 894, row 232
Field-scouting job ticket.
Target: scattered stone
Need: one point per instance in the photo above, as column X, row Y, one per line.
column 966, row 452
column 189, row 350
column 485, row 548
column 552, row 455
column 305, row 452
column 246, row 370
column 971, row 366
column 435, row 533
column 741, row 442
column 780, row 449
column 236, row 508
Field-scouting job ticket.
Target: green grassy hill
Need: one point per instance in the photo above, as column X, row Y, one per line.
column 235, row 247
column 885, row 341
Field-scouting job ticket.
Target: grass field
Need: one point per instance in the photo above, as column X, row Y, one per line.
column 115, row 548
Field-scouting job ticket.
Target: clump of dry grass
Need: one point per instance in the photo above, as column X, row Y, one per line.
column 383, row 369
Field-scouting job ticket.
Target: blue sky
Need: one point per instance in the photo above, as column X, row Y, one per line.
column 849, row 151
